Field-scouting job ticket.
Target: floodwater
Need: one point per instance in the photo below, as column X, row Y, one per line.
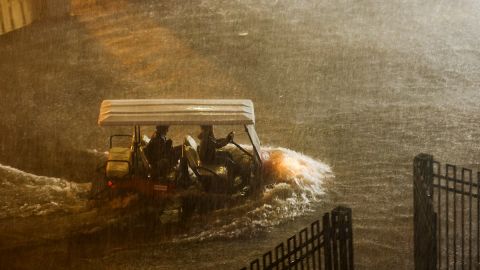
column 355, row 88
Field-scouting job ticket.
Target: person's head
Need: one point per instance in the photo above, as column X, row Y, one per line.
column 206, row 128
column 162, row 130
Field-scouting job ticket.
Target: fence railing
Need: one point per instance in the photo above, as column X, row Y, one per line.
column 446, row 198
column 327, row 244
column 424, row 216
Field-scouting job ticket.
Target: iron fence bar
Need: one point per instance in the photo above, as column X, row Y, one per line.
column 350, row 239
column 311, row 248
column 470, row 220
column 303, row 236
column 428, row 176
column 463, row 219
column 340, row 223
column 334, row 236
column 439, row 212
column 255, row 265
column 454, row 191
column 300, row 259
column 292, row 251
column 267, row 260
column 309, row 240
column 314, row 230
column 343, row 243
column 478, row 216
column 439, row 175
column 279, row 258
column 327, row 239
column 454, row 168
column 447, row 244
column 435, row 249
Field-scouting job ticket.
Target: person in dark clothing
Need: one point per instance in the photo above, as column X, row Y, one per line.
column 159, row 152
column 209, row 144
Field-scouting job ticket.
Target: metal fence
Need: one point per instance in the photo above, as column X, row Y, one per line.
column 446, row 215
column 325, row 245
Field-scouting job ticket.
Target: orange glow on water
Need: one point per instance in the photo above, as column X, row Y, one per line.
column 282, row 167
column 295, row 169
column 291, row 166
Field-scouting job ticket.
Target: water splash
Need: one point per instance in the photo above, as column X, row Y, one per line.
column 295, row 182
column 300, row 171
column 25, row 194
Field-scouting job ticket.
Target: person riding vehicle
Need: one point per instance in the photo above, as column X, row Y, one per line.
column 159, row 153
column 207, row 150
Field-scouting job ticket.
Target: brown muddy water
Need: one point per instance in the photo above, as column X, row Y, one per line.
column 360, row 86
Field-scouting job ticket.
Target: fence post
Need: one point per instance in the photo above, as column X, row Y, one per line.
column 280, row 256
column 327, row 241
column 342, row 228
column 316, row 245
column 424, row 231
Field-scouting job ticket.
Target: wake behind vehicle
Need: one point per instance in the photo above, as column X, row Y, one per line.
column 195, row 176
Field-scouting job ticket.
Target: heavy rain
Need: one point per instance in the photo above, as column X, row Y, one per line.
column 345, row 94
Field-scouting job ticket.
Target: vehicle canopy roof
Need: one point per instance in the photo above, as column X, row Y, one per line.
column 132, row 112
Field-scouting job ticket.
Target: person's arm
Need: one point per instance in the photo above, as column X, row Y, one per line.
column 219, row 143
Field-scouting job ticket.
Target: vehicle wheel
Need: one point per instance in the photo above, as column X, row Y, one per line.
column 187, row 208
column 98, row 187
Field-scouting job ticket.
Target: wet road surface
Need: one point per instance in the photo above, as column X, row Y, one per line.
column 362, row 86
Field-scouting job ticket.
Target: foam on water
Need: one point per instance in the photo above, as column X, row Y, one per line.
column 296, row 181
column 300, row 171
column 25, row 194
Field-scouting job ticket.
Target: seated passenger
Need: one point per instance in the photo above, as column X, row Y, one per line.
column 159, row 152
column 209, row 144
